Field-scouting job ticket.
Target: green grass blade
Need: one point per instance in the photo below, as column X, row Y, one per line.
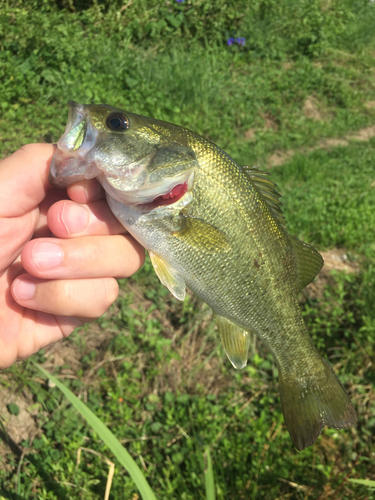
column 365, row 482
column 209, row 477
column 106, row 435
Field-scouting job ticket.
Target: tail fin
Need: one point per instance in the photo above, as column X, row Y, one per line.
column 310, row 403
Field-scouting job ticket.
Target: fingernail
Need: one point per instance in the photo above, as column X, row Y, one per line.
column 75, row 218
column 24, row 289
column 47, row 255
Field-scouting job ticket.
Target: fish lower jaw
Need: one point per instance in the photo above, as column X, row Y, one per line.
column 65, row 169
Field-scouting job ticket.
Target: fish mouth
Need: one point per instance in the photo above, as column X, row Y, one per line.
column 174, row 190
column 155, row 195
column 79, row 135
column 173, row 196
column 72, row 161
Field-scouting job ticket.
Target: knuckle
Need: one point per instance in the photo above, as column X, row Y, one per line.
column 136, row 256
column 28, row 149
column 142, row 256
column 66, row 294
column 31, row 152
column 106, row 293
column 112, row 290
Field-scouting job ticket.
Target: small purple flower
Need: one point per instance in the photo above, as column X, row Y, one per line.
column 180, row 1
column 231, row 41
column 241, row 41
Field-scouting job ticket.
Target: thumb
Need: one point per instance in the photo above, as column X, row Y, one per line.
column 24, row 179
column 23, row 186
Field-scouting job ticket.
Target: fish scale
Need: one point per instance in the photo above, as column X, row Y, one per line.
column 222, row 234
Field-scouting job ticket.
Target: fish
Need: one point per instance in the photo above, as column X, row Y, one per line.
column 216, row 227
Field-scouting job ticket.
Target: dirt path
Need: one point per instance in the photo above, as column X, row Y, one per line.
column 311, row 111
column 279, row 156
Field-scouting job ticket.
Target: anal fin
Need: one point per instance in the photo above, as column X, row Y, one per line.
column 310, row 403
column 168, row 276
column 235, row 340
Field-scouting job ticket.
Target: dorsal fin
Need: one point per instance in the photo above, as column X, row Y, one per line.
column 267, row 189
column 309, row 261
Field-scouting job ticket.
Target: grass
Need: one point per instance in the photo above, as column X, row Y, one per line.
column 152, row 368
column 107, row 437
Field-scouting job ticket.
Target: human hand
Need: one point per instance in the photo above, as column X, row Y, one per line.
column 55, row 282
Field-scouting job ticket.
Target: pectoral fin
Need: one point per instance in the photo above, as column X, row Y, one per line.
column 235, row 340
column 168, row 276
column 203, row 236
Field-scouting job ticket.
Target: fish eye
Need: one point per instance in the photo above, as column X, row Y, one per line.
column 117, row 122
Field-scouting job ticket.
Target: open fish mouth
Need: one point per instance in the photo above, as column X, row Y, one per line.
column 177, row 192
column 157, row 194
column 174, row 195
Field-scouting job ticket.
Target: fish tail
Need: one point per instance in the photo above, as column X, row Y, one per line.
column 309, row 403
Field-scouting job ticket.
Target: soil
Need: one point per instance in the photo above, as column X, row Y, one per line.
column 279, row 157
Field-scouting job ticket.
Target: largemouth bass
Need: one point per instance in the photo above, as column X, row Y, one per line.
column 216, row 227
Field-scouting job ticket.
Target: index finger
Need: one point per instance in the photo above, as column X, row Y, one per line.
column 24, row 179
column 85, row 191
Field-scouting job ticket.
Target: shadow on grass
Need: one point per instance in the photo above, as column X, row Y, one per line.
column 10, row 496
column 37, row 462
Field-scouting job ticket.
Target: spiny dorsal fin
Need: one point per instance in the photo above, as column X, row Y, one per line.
column 267, row 189
column 309, row 261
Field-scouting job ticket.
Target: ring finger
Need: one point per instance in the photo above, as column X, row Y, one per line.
column 84, row 298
